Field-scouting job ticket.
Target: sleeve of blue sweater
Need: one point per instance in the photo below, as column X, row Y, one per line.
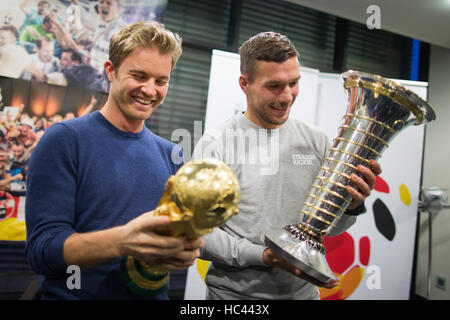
column 50, row 200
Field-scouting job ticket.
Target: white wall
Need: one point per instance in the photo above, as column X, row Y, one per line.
column 436, row 172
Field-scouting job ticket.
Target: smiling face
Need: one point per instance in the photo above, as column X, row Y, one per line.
column 24, row 129
column 48, row 26
column 45, row 50
column 43, row 8
column 272, row 91
column 137, row 88
column 18, row 150
column 7, row 37
column 108, row 9
column 66, row 60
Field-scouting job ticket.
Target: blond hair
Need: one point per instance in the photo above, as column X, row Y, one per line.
column 266, row 46
column 144, row 35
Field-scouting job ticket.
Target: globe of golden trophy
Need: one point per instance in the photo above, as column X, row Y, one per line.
column 202, row 195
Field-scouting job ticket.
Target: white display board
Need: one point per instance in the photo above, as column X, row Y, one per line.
column 381, row 243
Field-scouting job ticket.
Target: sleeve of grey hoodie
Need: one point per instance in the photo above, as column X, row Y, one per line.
column 221, row 246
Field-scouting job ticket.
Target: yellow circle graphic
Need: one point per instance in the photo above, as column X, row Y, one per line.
column 404, row 194
column 202, row 268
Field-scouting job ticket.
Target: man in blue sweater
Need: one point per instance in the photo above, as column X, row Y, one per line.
column 94, row 181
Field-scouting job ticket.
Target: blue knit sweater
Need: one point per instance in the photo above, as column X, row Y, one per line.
column 87, row 175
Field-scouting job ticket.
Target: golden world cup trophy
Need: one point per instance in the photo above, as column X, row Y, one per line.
column 202, row 195
column 378, row 109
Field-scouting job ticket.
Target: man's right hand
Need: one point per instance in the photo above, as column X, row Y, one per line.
column 141, row 242
column 273, row 260
column 136, row 238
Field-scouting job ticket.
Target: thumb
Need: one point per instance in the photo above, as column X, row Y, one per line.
column 154, row 221
column 149, row 220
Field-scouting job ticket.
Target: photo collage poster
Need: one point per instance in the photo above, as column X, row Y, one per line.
column 52, row 55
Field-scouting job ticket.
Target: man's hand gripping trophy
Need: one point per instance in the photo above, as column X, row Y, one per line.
column 202, row 195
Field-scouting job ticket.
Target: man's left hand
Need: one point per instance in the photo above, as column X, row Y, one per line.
column 364, row 184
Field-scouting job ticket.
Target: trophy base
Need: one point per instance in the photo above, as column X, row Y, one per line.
column 143, row 279
column 298, row 253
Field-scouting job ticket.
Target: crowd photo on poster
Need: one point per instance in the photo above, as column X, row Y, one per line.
column 65, row 42
column 52, row 55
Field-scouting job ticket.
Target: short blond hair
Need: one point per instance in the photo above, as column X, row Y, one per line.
column 144, row 35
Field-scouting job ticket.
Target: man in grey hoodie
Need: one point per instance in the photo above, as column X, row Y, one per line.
column 276, row 159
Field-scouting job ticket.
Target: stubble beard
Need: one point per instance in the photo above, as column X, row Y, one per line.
column 273, row 120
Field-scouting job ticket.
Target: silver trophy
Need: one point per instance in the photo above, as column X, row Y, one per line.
column 378, row 109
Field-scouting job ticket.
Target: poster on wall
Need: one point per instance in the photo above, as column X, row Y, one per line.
column 65, row 42
column 373, row 259
column 52, row 54
column 28, row 109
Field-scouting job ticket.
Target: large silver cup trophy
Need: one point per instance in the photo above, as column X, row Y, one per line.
column 378, row 109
